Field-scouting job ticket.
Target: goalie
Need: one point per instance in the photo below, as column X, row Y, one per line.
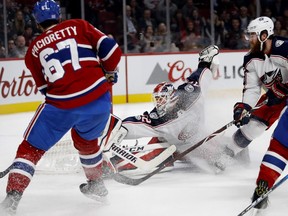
column 178, row 116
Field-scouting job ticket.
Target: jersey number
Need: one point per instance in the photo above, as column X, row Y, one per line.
column 53, row 69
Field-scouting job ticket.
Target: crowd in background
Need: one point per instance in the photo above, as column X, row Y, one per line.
column 190, row 28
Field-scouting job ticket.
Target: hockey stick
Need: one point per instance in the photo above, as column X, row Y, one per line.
column 253, row 204
column 130, row 181
column 6, row 171
column 139, row 162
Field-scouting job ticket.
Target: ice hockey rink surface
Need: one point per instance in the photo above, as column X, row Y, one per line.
column 179, row 192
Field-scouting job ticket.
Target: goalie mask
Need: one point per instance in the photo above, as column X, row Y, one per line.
column 164, row 97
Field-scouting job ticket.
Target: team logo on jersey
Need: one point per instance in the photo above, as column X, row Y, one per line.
column 153, row 115
column 278, row 43
column 269, row 78
column 138, row 117
column 189, row 88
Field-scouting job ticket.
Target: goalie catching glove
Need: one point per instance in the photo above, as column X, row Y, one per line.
column 240, row 113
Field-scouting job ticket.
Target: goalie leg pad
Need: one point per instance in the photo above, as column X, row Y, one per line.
column 114, row 132
column 146, row 155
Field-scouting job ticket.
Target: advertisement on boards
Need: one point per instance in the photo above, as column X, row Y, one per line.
column 138, row 75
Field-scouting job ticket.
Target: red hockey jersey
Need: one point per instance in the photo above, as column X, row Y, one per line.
column 67, row 62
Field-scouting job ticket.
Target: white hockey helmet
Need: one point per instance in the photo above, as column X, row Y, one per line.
column 164, row 97
column 259, row 25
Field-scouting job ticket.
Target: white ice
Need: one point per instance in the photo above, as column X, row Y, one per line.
column 178, row 192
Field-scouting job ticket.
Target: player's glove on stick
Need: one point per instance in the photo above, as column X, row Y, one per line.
column 240, row 111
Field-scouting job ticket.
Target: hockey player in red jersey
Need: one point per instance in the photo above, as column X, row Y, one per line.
column 73, row 65
column 265, row 66
column 178, row 115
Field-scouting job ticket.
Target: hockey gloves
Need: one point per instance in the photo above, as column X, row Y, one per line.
column 240, row 114
column 112, row 77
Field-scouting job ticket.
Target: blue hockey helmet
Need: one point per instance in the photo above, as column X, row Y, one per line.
column 46, row 10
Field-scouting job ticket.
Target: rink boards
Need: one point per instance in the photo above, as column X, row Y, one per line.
column 138, row 75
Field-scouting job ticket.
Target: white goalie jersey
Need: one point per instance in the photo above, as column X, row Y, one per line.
column 183, row 123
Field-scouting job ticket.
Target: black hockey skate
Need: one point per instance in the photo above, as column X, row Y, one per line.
column 261, row 188
column 95, row 190
column 9, row 206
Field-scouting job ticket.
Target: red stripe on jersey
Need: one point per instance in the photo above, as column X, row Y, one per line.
column 33, row 120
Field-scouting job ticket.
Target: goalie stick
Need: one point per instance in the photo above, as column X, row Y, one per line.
column 131, row 181
column 253, row 204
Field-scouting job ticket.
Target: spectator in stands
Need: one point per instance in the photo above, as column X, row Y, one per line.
column 285, row 18
column 131, row 22
column 252, row 9
column 136, row 9
column 11, row 49
column 18, row 25
column 162, row 39
column 151, row 4
column 2, row 50
column 148, row 40
column 91, row 14
column 188, row 9
column 226, row 18
column 147, row 20
column 219, row 31
column 178, row 28
column 267, row 12
column 191, row 41
column 233, row 37
column 132, row 32
column 28, row 34
column 277, row 27
column 11, row 8
column 284, row 33
column 27, row 14
column 21, row 49
column 161, row 11
column 244, row 17
column 199, row 22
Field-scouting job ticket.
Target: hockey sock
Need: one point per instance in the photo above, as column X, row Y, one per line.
column 23, row 167
column 90, row 155
column 273, row 163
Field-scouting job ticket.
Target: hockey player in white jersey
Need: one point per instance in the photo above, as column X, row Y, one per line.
column 178, row 115
column 265, row 66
